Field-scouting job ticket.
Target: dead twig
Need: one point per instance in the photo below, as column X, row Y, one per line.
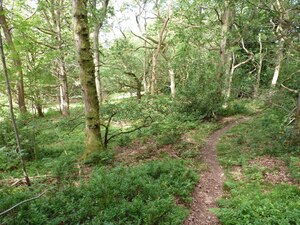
column 20, row 203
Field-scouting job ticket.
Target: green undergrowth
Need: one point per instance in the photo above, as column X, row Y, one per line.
column 250, row 198
column 143, row 194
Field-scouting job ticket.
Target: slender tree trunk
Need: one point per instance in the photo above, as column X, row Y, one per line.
column 260, row 64
column 280, row 32
column 16, row 60
column 228, row 81
column 139, row 91
column 11, row 110
column 172, row 82
column 145, row 78
column 39, row 109
column 154, row 67
column 87, row 77
column 156, row 52
column 278, row 62
column 96, row 56
column 62, row 75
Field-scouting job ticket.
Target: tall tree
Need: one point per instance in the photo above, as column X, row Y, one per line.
column 98, row 23
column 87, row 77
column 15, row 57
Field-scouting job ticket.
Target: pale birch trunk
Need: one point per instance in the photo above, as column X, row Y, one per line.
column 172, row 82
column 278, row 62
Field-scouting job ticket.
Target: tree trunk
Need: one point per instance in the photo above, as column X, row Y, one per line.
column 156, row 52
column 225, row 55
column 87, row 77
column 228, row 81
column 280, row 32
column 16, row 60
column 145, row 78
column 257, row 83
column 11, row 110
column 39, row 109
column 139, row 91
column 153, row 77
column 62, row 75
column 97, row 62
column 278, row 62
column 96, row 55
column 172, row 82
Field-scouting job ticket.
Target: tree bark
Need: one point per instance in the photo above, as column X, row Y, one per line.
column 225, row 54
column 278, row 62
column 87, row 77
column 39, row 109
column 172, row 82
column 96, row 55
column 11, row 110
column 260, row 64
column 16, row 60
column 156, row 52
column 280, row 32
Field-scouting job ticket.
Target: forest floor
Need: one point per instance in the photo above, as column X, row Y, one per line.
column 210, row 187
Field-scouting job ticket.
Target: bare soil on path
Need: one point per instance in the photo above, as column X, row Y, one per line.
column 210, row 187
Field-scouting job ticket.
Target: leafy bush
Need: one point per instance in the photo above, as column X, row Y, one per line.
column 251, row 205
column 144, row 194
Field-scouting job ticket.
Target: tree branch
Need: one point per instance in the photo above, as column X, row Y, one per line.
column 20, row 203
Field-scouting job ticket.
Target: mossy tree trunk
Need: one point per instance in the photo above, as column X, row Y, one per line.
column 87, row 77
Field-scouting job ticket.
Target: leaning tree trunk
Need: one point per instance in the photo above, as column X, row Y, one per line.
column 11, row 110
column 87, row 77
column 16, row 60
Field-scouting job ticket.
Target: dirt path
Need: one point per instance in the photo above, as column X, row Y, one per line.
column 210, row 187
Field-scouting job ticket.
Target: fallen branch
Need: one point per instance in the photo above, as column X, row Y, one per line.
column 20, row 203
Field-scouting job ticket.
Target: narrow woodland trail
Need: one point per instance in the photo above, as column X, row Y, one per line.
column 210, row 187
